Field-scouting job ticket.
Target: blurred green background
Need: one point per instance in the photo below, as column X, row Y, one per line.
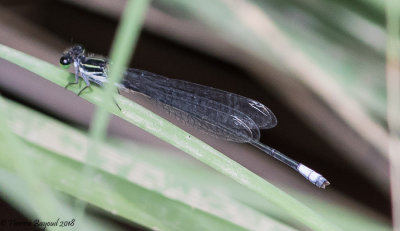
column 319, row 66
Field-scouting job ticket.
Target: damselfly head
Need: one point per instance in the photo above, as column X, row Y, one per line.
column 71, row 54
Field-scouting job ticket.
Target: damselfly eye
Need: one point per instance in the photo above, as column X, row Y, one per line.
column 65, row 61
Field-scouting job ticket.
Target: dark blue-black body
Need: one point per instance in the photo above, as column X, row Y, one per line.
column 224, row 115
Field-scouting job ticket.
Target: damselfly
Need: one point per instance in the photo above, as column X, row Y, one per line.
column 219, row 113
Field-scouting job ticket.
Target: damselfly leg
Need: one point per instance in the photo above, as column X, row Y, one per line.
column 84, row 88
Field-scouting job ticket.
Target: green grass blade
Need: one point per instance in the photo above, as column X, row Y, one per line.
column 393, row 105
column 176, row 185
column 38, row 201
column 14, row 191
column 130, row 181
column 126, row 37
column 122, row 49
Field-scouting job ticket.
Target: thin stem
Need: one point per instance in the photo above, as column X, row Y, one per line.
column 122, row 49
column 393, row 106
